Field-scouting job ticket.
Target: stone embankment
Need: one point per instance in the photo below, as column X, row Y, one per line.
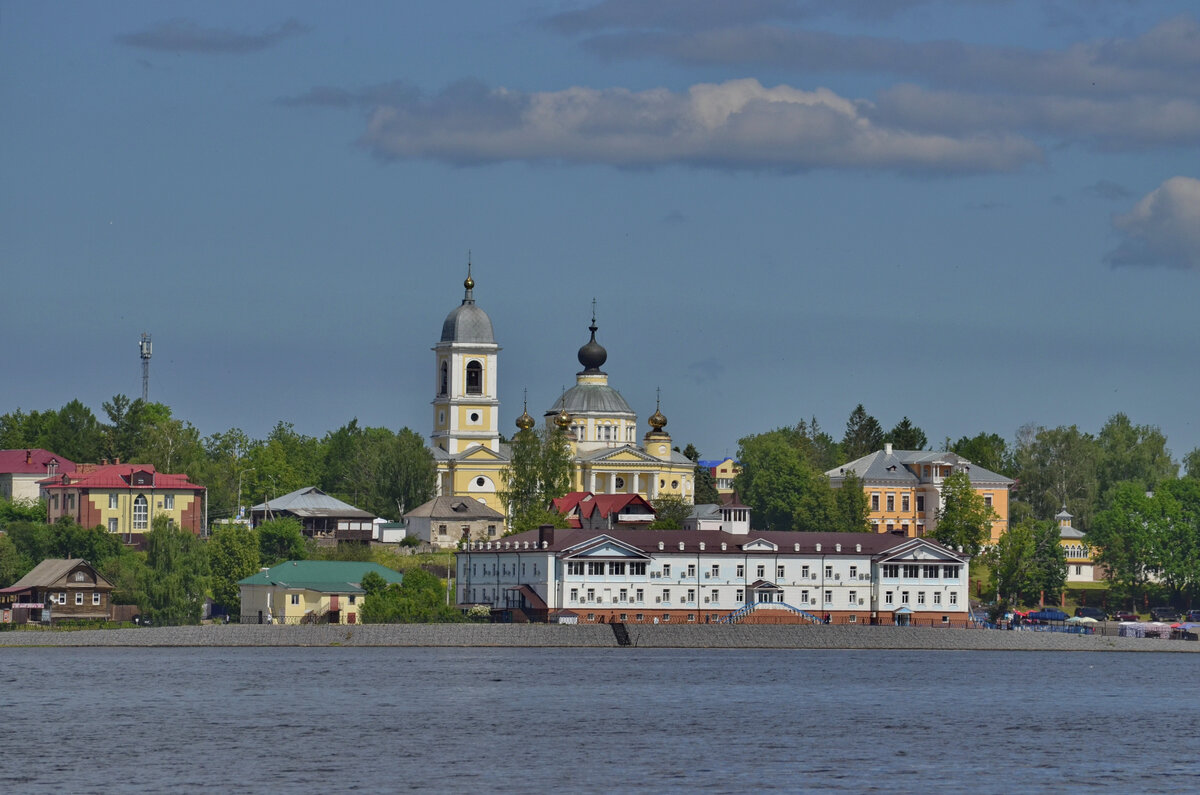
column 739, row 636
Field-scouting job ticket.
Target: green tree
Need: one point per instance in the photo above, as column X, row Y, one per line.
column 10, row 562
column 279, row 540
column 282, row 463
column 818, row 447
column 21, row 511
column 21, row 430
column 409, row 475
column 1057, row 467
column 863, row 434
column 233, row 555
column 175, row 581
column 965, row 520
column 852, row 506
column 420, row 598
column 1129, row 452
column 127, row 572
column 1012, row 563
column 74, row 433
column 93, row 544
column 539, row 471
column 988, row 450
column 906, row 436
column 705, row 492
column 669, row 512
column 781, row 487
column 1191, row 463
column 1123, row 534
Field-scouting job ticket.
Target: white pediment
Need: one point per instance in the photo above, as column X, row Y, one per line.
column 626, row 454
column 605, row 547
column 760, row 545
column 918, row 549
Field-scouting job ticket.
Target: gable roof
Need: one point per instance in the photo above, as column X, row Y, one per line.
column 457, row 508
column 118, row 476
column 884, row 466
column 51, row 571
column 603, row 505
column 326, row 576
column 311, row 501
column 32, row 461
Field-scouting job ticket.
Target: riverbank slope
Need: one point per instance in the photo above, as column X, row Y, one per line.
column 737, row 636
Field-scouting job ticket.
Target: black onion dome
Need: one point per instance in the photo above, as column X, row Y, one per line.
column 592, row 355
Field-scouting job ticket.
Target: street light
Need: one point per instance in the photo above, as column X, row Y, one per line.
column 239, row 499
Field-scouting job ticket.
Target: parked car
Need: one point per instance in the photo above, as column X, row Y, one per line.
column 1090, row 612
column 1192, row 616
column 1124, row 615
column 1164, row 613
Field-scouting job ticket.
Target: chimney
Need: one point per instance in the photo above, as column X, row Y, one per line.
column 117, row 460
column 103, row 462
column 887, row 448
column 546, row 535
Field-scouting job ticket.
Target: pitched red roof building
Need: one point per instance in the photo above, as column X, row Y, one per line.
column 124, row 498
column 20, row 471
column 604, row 511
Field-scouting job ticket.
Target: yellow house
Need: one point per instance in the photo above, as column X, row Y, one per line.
column 124, row 499
column 724, row 471
column 904, row 488
column 1080, row 556
column 308, row 592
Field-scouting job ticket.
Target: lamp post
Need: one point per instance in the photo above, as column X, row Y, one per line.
column 239, row 499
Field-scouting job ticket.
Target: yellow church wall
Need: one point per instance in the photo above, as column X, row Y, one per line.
column 483, row 423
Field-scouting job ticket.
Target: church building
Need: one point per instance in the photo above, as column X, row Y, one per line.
column 600, row 425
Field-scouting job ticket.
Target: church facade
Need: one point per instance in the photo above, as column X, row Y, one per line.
column 601, row 428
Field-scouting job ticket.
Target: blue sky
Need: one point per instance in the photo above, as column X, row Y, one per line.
column 976, row 214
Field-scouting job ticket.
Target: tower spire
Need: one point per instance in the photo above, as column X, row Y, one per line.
column 469, row 283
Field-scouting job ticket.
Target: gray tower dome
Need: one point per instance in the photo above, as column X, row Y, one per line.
column 467, row 322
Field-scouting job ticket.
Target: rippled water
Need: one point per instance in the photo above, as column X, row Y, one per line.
column 520, row 720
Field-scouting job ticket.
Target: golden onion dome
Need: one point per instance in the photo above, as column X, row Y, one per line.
column 657, row 420
column 563, row 420
column 469, row 283
column 525, row 422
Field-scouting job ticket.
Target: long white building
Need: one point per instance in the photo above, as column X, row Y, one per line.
column 651, row 576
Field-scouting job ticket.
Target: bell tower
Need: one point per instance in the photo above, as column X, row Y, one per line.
column 465, row 404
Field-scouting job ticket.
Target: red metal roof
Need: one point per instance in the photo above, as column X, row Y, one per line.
column 119, row 476
column 590, row 504
column 31, row 461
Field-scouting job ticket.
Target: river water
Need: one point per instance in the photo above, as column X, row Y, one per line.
column 595, row 720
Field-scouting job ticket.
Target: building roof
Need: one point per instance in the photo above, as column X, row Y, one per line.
column 119, row 476
column 467, row 323
column 873, row 544
column 326, row 576
column 32, row 461
column 706, row 511
column 311, row 501
column 51, row 571
column 713, row 463
column 602, row 505
column 883, row 465
column 456, row 508
column 592, row 398
column 732, row 500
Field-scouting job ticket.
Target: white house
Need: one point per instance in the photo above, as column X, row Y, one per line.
column 651, row 576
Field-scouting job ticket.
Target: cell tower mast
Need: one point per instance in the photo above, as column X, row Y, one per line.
column 144, row 350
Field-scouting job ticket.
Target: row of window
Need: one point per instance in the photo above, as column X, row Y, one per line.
column 889, row 597
column 713, row 596
column 926, row 571
column 60, row 598
column 499, row 569
column 295, row 598
column 619, row 569
column 474, row 378
column 891, row 502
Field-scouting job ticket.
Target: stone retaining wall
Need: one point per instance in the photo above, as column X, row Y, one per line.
column 739, row 636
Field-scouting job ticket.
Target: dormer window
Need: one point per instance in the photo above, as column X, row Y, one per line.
column 474, row 378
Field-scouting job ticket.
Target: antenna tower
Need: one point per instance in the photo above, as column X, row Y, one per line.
column 144, row 351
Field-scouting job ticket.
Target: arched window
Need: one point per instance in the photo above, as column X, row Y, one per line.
column 445, row 378
column 140, row 512
column 474, row 378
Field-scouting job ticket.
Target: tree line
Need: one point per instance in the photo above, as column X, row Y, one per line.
column 379, row 470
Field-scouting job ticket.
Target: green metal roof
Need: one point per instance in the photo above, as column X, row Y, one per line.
column 326, row 576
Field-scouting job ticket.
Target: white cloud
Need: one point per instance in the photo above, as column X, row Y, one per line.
column 738, row 124
column 1163, row 229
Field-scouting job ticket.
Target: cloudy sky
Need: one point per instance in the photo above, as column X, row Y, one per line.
column 976, row 214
